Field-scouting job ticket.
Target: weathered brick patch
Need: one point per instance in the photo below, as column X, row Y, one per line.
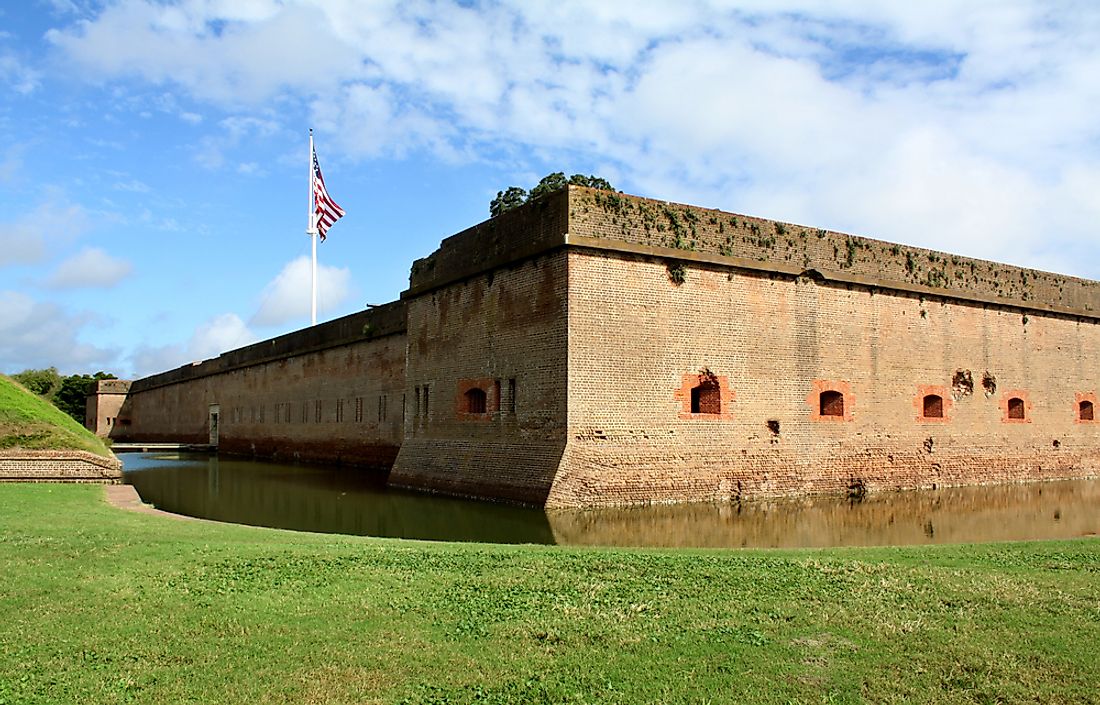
column 58, row 466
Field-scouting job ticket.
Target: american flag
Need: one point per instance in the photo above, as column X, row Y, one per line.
column 325, row 209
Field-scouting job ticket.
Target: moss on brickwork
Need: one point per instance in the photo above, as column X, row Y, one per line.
column 657, row 223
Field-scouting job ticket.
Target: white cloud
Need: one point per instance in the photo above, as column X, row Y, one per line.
column 283, row 300
column 37, row 334
column 962, row 125
column 31, row 236
column 10, row 164
column 64, row 6
column 132, row 186
column 18, row 76
column 91, row 267
column 210, row 339
column 239, row 126
column 233, row 52
column 234, row 130
column 148, row 360
column 221, row 333
column 287, row 296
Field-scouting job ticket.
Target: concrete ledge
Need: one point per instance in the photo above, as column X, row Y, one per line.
column 58, row 466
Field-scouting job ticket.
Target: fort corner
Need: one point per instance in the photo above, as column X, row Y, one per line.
column 595, row 348
column 106, row 411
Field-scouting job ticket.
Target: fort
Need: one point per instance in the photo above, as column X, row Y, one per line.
column 594, row 348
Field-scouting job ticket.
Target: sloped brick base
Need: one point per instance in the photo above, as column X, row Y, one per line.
column 58, row 466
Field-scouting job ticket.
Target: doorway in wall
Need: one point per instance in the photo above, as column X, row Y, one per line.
column 213, row 424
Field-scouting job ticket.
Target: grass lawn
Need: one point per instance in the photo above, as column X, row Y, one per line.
column 35, row 424
column 100, row 605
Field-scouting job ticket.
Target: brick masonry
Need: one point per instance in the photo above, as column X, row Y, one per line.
column 103, row 411
column 587, row 319
column 504, row 330
column 57, row 466
column 331, row 393
column 781, row 341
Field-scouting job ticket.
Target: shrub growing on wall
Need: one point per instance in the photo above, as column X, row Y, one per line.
column 514, row 196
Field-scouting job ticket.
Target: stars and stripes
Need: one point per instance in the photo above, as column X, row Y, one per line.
column 325, row 210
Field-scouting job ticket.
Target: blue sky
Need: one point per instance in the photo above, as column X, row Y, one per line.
column 153, row 160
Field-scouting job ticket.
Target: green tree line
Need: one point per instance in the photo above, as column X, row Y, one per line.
column 66, row 392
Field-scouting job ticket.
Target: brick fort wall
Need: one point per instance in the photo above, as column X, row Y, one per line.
column 777, row 343
column 486, row 382
column 330, row 393
column 593, row 348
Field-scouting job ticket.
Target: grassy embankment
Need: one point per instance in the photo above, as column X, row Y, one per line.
column 101, row 605
column 31, row 423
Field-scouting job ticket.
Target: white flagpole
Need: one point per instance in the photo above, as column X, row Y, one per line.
column 311, row 230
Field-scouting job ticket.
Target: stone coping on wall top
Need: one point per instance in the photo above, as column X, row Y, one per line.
column 741, row 263
column 515, row 234
column 111, row 386
column 519, row 253
column 827, row 275
column 503, row 240
column 644, row 221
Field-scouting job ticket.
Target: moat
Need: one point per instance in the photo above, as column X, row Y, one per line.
column 344, row 501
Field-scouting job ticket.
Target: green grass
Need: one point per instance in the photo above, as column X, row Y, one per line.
column 29, row 422
column 100, row 605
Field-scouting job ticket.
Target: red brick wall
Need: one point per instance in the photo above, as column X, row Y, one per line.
column 779, row 340
column 57, row 466
column 103, row 413
column 510, row 325
column 270, row 409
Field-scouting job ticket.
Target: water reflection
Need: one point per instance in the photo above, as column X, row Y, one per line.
column 1047, row 510
column 336, row 500
column 317, row 498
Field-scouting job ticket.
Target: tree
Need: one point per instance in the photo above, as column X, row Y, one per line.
column 507, row 200
column 44, row 383
column 72, row 394
column 67, row 393
column 591, row 182
column 514, row 196
column 549, row 184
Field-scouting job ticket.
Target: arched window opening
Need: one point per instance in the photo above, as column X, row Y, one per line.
column 832, row 403
column 475, row 401
column 1084, row 411
column 1015, row 408
column 706, row 398
column 933, row 406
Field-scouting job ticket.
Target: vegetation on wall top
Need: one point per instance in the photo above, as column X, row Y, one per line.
column 514, row 196
column 677, row 226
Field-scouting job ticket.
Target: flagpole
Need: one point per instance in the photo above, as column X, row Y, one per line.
column 311, row 230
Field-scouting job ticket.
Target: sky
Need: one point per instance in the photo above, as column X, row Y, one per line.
column 154, row 155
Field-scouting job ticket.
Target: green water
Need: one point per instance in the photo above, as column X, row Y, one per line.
column 350, row 501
